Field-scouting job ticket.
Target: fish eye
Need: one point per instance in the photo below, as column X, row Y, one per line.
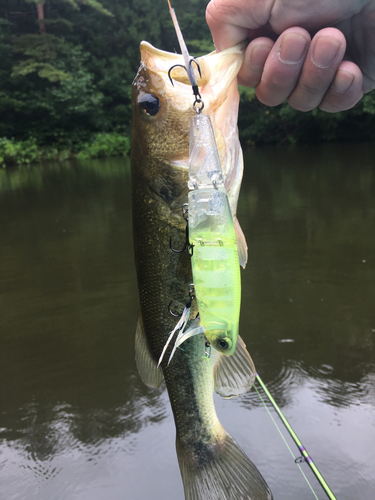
column 149, row 104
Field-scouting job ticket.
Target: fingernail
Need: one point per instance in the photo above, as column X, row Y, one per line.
column 343, row 81
column 324, row 52
column 258, row 56
column 292, row 49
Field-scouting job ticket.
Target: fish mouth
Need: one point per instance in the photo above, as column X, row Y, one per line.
column 217, row 69
column 219, row 92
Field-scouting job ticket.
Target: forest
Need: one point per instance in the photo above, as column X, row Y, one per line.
column 66, row 68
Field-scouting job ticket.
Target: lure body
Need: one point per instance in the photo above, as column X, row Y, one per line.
column 215, row 263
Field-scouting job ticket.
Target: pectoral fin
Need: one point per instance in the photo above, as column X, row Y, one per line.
column 147, row 367
column 241, row 243
column 235, row 374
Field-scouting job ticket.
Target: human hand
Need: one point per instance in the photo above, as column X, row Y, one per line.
column 314, row 53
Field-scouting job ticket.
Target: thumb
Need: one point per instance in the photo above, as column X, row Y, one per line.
column 231, row 21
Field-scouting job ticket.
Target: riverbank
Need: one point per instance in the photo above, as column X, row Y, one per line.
column 13, row 152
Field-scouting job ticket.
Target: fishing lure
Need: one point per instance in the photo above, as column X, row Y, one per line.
column 215, row 263
column 211, row 238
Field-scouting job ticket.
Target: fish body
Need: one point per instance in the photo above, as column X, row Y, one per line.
column 212, row 465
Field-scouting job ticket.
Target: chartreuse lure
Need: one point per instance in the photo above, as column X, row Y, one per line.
column 213, row 248
column 212, row 239
column 215, row 263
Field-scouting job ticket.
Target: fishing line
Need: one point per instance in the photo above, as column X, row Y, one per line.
column 286, row 444
column 294, row 436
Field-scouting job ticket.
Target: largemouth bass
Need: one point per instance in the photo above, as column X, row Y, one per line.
column 212, row 465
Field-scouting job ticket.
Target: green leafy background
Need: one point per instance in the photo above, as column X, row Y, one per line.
column 66, row 68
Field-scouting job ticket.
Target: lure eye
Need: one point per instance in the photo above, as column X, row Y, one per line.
column 149, row 104
column 223, row 344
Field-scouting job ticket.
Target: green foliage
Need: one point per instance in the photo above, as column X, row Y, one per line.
column 73, row 82
column 91, row 3
column 44, row 70
column 66, row 70
column 41, row 52
column 260, row 124
column 40, row 48
column 247, row 94
column 368, row 103
column 13, row 152
column 105, row 145
column 200, row 47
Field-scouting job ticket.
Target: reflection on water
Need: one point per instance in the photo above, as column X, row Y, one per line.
column 76, row 422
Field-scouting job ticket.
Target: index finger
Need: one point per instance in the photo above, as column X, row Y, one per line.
column 231, row 21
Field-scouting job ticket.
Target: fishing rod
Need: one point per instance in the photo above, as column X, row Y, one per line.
column 295, row 438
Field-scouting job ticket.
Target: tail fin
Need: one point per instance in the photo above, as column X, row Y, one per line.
column 220, row 472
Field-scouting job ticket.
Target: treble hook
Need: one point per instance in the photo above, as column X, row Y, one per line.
column 188, row 303
column 198, row 97
column 187, row 245
column 171, row 312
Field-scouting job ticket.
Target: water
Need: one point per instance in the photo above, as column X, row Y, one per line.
column 77, row 423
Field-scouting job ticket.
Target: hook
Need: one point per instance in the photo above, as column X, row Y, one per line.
column 171, row 312
column 187, row 245
column 198, row 67
column 198, row 97
column 186, row 240
column 188, row 303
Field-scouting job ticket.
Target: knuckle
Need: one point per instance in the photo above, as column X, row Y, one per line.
column 314, row 89
column 307, row 96
column 333, row 102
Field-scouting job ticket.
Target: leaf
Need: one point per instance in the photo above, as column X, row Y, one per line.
column 73, row 3
column 39, row 47
column 44, row 70
column 97, row 6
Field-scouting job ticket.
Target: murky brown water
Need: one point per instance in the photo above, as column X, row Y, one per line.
column 77, row 423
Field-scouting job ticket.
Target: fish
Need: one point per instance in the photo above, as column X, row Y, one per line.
column 212, row 465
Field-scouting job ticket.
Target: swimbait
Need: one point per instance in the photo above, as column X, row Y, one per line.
column 215, row 263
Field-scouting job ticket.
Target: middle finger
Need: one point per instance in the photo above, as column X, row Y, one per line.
column 325, row 54
column 283, row 66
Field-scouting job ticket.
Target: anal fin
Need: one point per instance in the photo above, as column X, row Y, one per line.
column 235, row 374
column 148, row 370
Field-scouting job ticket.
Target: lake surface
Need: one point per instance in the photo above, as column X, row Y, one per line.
column 76, row 422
